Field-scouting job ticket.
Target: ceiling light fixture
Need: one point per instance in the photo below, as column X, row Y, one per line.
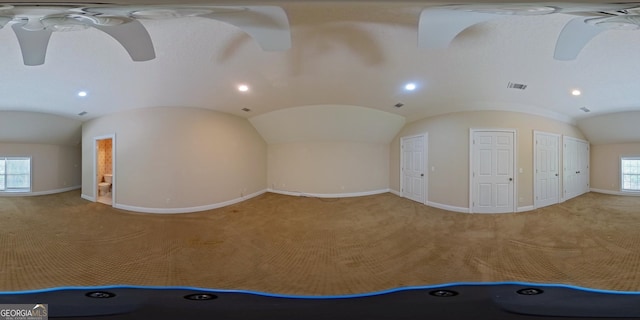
column 410, row 86
column 576, row 92
column 627, row 22
column 243, row 88
column 82, row 94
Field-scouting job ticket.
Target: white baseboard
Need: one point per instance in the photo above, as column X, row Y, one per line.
column 38, row 193
column 615, row 192
column 88, row 198
column 525, row 208
column 437, row 205
column 447, row 207
column 329, row 195
column 189, row 209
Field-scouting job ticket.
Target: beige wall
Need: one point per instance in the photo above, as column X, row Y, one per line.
column 54, row 167
column 449, row 151
column 178, row 157
column 605, row 164
column 328, row 167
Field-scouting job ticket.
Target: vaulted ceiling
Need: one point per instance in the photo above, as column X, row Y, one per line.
column 351, row 53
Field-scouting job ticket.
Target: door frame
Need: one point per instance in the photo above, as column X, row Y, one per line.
column 113, row 166
column 559, row 166
column 425, row 137
column 472, row 179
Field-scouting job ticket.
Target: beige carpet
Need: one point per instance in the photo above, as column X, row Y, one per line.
column 295, row 245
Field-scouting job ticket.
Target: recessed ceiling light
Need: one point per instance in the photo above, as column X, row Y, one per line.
column 576, row 92
column 243, row 88
column 410, row 86
column 82, row 94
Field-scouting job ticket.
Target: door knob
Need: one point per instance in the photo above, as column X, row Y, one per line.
column 422, row 174
column 556, row 174
column 510, row 179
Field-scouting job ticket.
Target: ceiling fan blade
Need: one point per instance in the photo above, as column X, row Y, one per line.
column 267, row 25
column 438, row 27
column 133, row 36
column 574, row 36
column 33, row 44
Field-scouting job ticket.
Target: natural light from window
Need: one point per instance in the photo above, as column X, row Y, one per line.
column 630, row 169
column 15, row 174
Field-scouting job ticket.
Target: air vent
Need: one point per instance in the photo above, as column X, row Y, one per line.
column 519, row 86
column 82, row 113
column 585, row 109
column 398, row 105
column 246, row 109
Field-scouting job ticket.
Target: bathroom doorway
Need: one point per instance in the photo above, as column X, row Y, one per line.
column 104, row 169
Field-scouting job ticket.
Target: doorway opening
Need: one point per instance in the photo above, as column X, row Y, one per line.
column 104, row 169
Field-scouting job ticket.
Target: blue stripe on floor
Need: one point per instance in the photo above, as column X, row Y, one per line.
column 345, row 296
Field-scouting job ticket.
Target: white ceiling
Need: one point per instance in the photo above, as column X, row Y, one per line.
column 352, row 53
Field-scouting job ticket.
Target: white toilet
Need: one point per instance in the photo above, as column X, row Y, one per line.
column 104, row 187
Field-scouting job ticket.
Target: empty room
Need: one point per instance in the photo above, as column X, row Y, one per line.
column 319, row 148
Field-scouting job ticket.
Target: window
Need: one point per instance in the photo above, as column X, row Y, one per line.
column 15, row 174
column 630, row 169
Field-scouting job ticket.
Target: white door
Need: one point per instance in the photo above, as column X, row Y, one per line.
column 576, row 167
column 570, row 168
column 583, row 166
column 492, row 163
column 547, row 169
column 413, row 169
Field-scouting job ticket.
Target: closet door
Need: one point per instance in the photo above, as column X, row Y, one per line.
column 576, row 167
column 583, row 151
column 547, row 169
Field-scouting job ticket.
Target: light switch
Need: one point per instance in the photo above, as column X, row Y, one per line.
column 520, row 170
